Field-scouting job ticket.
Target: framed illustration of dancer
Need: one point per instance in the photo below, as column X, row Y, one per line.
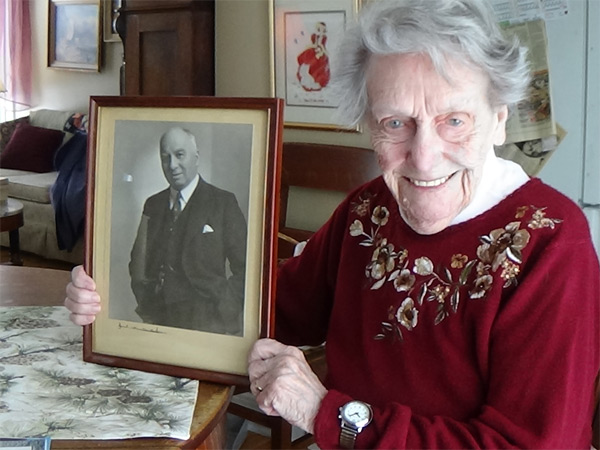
column 306, row 34
column 181, row 232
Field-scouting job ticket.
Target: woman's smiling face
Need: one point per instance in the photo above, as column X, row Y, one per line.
column 431, row 134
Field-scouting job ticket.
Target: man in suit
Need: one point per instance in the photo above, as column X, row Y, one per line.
column 189, row 258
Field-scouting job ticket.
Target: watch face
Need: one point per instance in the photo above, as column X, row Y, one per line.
column 357, row 413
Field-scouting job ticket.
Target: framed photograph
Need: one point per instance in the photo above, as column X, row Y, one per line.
column 110, row 13
column 26, row 444
column 181, row 232
column 305, row 38
column 74, row 34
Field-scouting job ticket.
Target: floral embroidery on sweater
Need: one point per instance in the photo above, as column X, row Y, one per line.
column 418, row 281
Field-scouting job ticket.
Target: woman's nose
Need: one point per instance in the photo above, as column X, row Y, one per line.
column 426, row 149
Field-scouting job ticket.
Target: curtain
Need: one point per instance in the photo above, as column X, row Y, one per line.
column 15, row 44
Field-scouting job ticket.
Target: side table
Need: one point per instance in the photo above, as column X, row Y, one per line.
column 11, row 219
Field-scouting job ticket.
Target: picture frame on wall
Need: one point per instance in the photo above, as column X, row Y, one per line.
column 306, row 34
column 110, row 13
column 181, row 232
column 42, row 443
column 74, row 35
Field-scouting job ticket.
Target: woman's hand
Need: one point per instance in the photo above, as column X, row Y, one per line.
column 284, row 384
column 82, row 299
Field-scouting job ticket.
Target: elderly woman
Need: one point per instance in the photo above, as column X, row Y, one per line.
column 459, row 299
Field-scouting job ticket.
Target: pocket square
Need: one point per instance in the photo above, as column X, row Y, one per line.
column 207, row 229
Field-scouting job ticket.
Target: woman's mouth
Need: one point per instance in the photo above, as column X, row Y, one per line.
column 429, row 183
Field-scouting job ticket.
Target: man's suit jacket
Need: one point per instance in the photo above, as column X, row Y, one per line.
column 215, row 231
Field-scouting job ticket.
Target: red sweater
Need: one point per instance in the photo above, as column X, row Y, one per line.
column 484, row 335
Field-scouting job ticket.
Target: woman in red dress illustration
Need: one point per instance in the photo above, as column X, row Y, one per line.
column 313, row 63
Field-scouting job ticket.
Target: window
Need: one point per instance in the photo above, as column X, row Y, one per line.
column 15, row 59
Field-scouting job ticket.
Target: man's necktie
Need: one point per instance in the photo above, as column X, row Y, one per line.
column 176, row 210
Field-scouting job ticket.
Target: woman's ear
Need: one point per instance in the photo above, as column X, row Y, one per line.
column 500, row 131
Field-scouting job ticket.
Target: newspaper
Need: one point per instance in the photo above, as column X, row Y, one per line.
column 523, row 10
column 532, row 118
column 532, row 135
column 534, row 154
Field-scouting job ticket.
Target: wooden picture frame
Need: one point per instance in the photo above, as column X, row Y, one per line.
column 74, row 35
column 110, row 13
column 305, row 37
column 42, row 443
column 143, row 271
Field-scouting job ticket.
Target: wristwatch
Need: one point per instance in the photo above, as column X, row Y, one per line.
column 354, row 416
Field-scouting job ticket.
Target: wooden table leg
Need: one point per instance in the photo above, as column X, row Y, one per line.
column 15, row 249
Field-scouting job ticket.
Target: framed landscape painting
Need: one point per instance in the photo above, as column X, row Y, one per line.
column 74, row 34
column 181, row 232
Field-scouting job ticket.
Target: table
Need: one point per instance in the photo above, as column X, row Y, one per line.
column 11, row 219
column 32, row 286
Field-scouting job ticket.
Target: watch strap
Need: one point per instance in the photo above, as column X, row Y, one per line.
column 348, row 437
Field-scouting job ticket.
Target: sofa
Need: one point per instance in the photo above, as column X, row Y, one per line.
column 28, row 150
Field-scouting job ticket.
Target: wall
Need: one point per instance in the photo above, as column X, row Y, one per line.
column 244, row 67
column 66, row 89
column 574, row 58
column 244, row 62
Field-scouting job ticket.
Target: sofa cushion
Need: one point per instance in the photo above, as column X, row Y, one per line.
column 31, row 148
column 49, row 118
column 34, row 187
column 7, row 129
column 53, row 119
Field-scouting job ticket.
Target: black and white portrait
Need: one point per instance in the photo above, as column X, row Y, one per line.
column 180, row 202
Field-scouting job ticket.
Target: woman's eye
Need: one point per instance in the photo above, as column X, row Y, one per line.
column 393, row 124
column 455, row 127
column 398, row 129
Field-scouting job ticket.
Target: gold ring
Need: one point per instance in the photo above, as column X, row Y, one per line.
column 259, row 389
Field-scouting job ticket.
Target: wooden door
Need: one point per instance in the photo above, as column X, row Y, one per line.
column 169, row 48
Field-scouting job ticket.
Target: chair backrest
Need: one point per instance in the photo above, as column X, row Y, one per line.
column 323, row 167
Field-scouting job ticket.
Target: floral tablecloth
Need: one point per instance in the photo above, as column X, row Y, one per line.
column 47, row 390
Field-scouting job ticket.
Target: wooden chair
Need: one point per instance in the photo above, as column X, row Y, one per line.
column 325, row 168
